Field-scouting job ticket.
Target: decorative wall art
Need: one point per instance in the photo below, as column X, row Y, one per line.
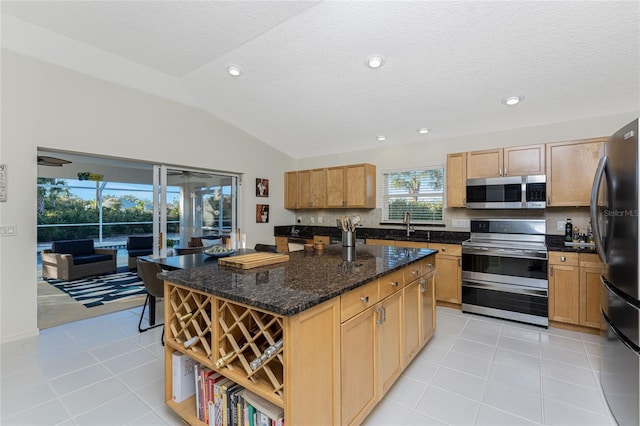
column 262, row 213
column 262, row 187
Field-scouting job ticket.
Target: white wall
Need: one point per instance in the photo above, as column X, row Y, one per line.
column 51, row 107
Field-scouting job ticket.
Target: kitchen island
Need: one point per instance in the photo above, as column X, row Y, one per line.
column 342, row 325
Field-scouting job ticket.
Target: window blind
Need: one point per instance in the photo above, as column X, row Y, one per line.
column 417, row 191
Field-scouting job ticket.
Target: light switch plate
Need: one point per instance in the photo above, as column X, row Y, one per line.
column 561, row 225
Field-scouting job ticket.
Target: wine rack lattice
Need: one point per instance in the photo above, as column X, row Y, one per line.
column 190, row 321
column 247, row 334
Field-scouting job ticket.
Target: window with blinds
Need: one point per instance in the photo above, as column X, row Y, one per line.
column 418, row 191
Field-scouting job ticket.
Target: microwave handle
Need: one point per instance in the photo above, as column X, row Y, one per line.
column 593, row 208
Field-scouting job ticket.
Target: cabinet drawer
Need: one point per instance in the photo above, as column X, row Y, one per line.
column 377, row 242
column 590, row 260
column 391, row 283
column 413, row 272
column 358, row 299
column 428, row 265
column 448, row 249
column 563, row 258
column 412, row 244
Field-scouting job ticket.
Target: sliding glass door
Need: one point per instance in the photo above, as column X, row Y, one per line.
column 193, row 203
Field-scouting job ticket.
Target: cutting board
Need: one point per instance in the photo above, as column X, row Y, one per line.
column 253, row 260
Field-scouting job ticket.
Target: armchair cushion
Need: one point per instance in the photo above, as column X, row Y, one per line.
column 74, row 247
column 140, row 242
column 90, row 258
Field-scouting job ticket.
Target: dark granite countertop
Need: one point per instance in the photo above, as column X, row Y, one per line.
column 304, row 281
column 419, row 235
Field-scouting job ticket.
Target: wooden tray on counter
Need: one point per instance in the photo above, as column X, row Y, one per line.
column 253, row 260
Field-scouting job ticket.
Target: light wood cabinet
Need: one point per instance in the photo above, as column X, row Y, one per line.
column 418, row 313
column 485, row 163
column 512, row 161
column 590, row 285
column 448, row 281
column 352, row 186
column 411, row 244
column 564, row 287
column 574, row 288
column 571, row 166
column 291, row 190
column 378, row 242
column 380, row 339
column 524, row 160
column 358, row 366
column 282, row 244
column 305, row 189
column 456, row 179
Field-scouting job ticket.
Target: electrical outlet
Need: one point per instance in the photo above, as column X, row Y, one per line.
column 561, row 225
column 312, row 219
column 460, row 223
column 319, row 219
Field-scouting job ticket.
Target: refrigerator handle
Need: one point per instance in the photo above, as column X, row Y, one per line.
column 593, row 210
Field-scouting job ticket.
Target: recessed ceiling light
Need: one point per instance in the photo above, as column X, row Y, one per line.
column 423, row 130
column 512, row 100
column 374, row 61
column 382, row 138
column 234, row 70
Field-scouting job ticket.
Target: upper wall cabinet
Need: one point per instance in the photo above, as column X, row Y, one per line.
column 305, row 189
column 456, row 179
column 571, row 166
column 513, row 161
column 352, row 186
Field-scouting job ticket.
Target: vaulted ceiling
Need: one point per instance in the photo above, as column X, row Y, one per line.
column 305, row 88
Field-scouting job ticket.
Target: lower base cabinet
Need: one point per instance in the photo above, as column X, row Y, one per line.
column 574, row 289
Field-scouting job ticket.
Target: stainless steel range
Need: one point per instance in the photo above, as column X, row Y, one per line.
column 504, row 270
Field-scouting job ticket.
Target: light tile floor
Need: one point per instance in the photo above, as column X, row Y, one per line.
column 475, row 370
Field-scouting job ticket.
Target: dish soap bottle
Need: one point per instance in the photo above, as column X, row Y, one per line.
column 568, row 231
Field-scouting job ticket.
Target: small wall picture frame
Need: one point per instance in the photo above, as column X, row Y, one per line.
column 262, row 213
column 262, row 187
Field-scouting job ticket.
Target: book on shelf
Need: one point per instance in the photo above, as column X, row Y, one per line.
column 219, row 396
column 266, row 412
column 182, row 376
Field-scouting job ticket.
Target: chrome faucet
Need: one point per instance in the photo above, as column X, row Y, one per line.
column 407, row 221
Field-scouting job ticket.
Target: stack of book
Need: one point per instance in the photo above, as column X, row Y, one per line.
column 222, row 402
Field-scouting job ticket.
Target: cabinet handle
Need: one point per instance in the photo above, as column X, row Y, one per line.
column 500, row 171
column 551, row 271
column 384, row 314
column 460, row 262
column 563, row 259
column 416, row 272
column 364, row 299
column 379, row 312
column 394, row 283
column 505, row 171
column 444, row 249
column 549, row 200
column 425, row 286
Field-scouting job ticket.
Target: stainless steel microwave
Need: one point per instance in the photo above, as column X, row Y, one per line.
column 507, row 192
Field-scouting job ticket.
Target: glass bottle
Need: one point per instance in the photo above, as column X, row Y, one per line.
column 568, row 231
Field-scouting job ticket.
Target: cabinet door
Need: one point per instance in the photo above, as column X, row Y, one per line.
column 412, row 300
column 456, row 179
column 564, row 293
column 482, row 164
column 360, row 181
column 358, row 344
column 305, row 195
column 571, row 167
column 291, row 190
column 524, row 160
column 318, row 190
column 335, row 187
column 590, row 298
column 449, row 278
column 389, row 342
column 427, row 307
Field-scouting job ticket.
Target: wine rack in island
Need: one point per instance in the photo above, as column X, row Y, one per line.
column 242, row 343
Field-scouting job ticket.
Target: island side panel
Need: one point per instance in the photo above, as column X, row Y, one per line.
column 312, row 366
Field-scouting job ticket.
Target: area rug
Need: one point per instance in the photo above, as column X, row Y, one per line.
column 102, row 289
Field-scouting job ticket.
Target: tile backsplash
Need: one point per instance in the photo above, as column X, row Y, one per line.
column 371, row 218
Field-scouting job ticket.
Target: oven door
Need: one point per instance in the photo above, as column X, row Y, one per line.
column 514, row 302
column 525, row 267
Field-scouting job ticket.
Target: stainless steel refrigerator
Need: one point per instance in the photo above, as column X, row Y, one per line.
column 614, row 217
